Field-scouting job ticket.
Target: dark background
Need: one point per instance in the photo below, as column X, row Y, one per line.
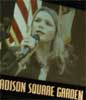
column 6, row 8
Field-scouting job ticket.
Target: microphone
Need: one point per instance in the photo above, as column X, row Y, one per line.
column 28, row 45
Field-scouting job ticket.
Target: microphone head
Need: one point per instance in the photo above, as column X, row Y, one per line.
column 36, row 37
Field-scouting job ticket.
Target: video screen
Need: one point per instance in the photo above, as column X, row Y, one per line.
column 42, row 41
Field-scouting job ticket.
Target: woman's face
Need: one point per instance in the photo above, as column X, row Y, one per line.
column 44, row 26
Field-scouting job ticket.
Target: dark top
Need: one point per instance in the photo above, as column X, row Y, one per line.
column 69, row 76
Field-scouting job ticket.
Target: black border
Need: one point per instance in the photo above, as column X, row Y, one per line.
column 9, row 95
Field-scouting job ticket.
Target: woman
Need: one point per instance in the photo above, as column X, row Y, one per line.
column 48, row 62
